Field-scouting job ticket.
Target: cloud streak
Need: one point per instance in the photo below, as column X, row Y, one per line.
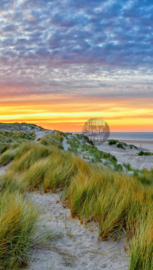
column 95, row 49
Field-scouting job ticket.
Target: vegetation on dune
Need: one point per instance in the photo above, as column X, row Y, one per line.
column 18, row 217
column 8, row 137
column 80, row 143
column 146, row 177
column 53, row 139
column 18, row 127
column 133, row 146
column 127, row 166
column 142, row 153
column 111, row 142
column 17, row 228
column 7, row 156
column 11, row 143
column 121, row 204
column 18, row 223
column 121, row 144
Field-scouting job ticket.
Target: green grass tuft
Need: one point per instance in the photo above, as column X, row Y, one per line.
column 142, row 153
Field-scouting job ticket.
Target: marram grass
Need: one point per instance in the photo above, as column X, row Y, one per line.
column 17, row 227
column 117, row 201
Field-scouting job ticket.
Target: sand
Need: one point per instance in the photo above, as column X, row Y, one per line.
column 129, row 156
column 41, row 134
column 78, row 248
column 3, row 169
column 146, row 144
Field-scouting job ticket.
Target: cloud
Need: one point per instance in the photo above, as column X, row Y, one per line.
column 61, row 44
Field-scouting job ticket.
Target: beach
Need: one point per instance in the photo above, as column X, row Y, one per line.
column 130, row 156
column 146, row 144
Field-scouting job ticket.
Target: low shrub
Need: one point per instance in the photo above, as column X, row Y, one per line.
column 142, row 153
column 120, row 145
column 111, row 142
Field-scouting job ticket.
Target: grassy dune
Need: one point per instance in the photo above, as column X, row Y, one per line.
column 17, row 227
column 122, row 205
column 18, row 217
column 19, row 126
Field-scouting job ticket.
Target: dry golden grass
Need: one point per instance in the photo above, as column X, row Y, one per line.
column 18, row 220
column 117, row 201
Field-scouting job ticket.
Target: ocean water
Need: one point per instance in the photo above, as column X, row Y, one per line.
column 129, row 135
column 132, row 135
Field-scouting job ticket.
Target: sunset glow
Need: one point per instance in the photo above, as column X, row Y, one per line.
column 70, row 116
column 64, row 62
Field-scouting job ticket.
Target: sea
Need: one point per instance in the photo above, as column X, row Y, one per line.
column 146, row 136
column 131, row 136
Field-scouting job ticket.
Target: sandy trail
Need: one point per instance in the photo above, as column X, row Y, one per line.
column 79, row 248
column 41, row 134
column 65, row 144
column 3, row 169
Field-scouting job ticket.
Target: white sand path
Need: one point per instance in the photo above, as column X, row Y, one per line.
column 3, row 169
column 41, row 134
column 78, row 248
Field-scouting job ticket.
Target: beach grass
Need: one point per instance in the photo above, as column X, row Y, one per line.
column 81, row 144
column 120, row 204
column 18, row 219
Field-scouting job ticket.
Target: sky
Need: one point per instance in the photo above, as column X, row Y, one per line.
column 64, row 62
